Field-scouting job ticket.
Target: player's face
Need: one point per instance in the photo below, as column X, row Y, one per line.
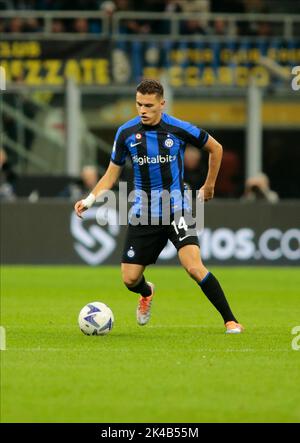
column 150, row 107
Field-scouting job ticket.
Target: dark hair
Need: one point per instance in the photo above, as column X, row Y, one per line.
column 149, row 86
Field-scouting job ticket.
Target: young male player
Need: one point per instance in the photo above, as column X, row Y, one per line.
column 156, row 142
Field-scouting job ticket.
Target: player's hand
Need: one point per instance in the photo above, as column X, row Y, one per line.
column 206, row 193
column 80, row 208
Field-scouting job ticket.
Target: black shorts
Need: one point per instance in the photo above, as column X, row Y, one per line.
column 143, row 243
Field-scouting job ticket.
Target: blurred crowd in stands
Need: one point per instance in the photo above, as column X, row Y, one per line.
column 231, row 181
column 146, row 26
column 34, row 187
column 255, row 188
column 233, row 6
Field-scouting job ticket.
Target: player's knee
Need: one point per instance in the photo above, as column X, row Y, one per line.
column 129, row 280
column 194, row 272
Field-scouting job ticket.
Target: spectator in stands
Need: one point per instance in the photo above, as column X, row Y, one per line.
column 195, row 25
column 201, row 6
column 16, row 25
column 191, row 27
column 89, row 179
column 123, row 5
column 264, row 29
column 230, row 181
column 219, row 27
column 169, row 6
column 137, row 27
column 58, row 26
column 133, row 26
column 258, row 188
column 229, row 6
column 256, row 28
column 195, row 167
column 172, row 6
column 32, row 25
column 148, row 26
column 7, row 178
column 81, row 25
column 108, row 7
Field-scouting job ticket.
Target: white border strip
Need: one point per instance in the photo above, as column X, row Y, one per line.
column 2, row 339
column 2, row 79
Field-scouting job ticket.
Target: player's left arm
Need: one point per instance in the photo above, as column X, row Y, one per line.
column 215, row 157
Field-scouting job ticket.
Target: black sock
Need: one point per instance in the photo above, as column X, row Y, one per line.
column 213, row 291
column 141, row 288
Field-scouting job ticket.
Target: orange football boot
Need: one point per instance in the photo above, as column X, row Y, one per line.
column 143, row 311
column 233, row 327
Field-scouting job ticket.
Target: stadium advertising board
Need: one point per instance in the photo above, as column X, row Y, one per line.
column 38, row 63
column 193, row 63
column 234, row 234
column 214, row 63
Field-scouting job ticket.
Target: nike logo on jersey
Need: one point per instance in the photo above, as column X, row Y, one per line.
column 134, row 144
column 182, row 238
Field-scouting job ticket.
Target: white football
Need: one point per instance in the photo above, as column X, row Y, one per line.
column 95, row 319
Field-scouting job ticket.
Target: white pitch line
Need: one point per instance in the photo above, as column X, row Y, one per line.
column 178, row 326
column 215, row 350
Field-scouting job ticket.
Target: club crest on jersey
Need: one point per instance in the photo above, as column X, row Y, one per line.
column 169, row 143
column 138, row 136
column 131, row 252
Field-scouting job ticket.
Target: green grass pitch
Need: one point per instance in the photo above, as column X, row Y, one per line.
column 181, row 367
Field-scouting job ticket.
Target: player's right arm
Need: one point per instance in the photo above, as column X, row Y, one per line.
column 105, row 183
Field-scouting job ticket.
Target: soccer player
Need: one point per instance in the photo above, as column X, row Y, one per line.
column 155, row 143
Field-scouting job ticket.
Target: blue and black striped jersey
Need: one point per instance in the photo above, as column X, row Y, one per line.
column 157, row 155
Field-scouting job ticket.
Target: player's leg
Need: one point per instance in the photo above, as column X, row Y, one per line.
column 189, row 256
column 143, row 245
column 133, row 278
